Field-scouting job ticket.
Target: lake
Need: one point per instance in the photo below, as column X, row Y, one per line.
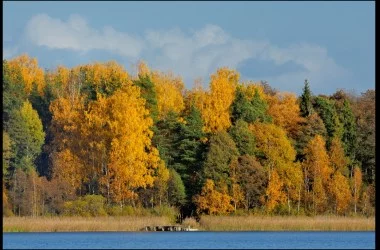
column 197, row 240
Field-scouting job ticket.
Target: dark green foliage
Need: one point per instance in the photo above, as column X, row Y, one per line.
column 165, row 137
column 326, row 110
column 365, row 112
column 8, row 154
column 243, row 137
column 41, row 104
column 349, row 137
column 222, row 151
column 13, row 93
column 105, row 87
column 347, row 119
column 190, row 148
column 90, row 92
column 312, row 126
column 176, row 189
column 260, row 109
column 249, row 110
column 252, row 179
column 148, row 92
column 306, row 106
column 241, row 107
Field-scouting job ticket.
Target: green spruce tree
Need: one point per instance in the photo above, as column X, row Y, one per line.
column 306, row 106
column 243, row 137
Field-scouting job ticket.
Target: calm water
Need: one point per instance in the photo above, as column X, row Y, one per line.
column 233, row 240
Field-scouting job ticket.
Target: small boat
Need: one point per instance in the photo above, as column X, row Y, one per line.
column 190, row 229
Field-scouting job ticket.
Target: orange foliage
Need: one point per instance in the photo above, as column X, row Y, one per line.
column 273, row 142
column 338, row 160
column 212, row 201
column 274, row 193
column 31, row 73
column 317, row 160
column 105, row 74
column 68, row 168
column 319, row 195
column 215, row 106
column 284, row 109
column 67, row 116
column 317, row 167
column 356, row 185
column 340, row 191
column 132, row 159
column 249, row 89
column 169, row 93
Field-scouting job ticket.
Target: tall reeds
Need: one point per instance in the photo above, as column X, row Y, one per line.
column 74, row 224
column 287, row 223
column 207, row 223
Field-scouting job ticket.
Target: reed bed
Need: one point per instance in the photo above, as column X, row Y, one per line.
column 81, row 224
column 287, row 223
column 207, row 223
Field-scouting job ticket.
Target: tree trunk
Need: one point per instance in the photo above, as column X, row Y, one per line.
column 313, row 201
column 355, row 196
column 299, row 200
column 34, row 212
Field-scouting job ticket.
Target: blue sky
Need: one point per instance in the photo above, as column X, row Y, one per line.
column 332, row 44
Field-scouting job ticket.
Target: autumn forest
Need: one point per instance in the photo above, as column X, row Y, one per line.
column 97, row 140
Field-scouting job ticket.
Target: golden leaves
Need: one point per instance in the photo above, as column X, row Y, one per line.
column 212, row 201
column 68, row 168
column 284, row 109
column 273, row 142
column 169, row 92
column 317, row 167
column 317, row 158
column 30, row 72
column 338, row 160
column 215, row 105
column 274, row 193
column 340, row 190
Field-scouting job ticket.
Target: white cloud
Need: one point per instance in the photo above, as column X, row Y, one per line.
column 190, row 54
column 320, row 69
column 75, row 34
column 199, row 53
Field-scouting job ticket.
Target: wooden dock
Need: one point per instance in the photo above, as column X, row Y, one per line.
column 167, row 228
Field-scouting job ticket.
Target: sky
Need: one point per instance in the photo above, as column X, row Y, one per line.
column 332, row 44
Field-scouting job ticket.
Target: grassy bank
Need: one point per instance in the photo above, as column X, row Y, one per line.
column 80, row 224
column 207, row 223
column 287, row 223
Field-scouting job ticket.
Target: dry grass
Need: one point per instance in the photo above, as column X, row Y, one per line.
column 190, row 222
column 76, row 224
column 287, row 223
column 208, row 223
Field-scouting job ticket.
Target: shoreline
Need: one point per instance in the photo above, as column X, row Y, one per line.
column 207, row 223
